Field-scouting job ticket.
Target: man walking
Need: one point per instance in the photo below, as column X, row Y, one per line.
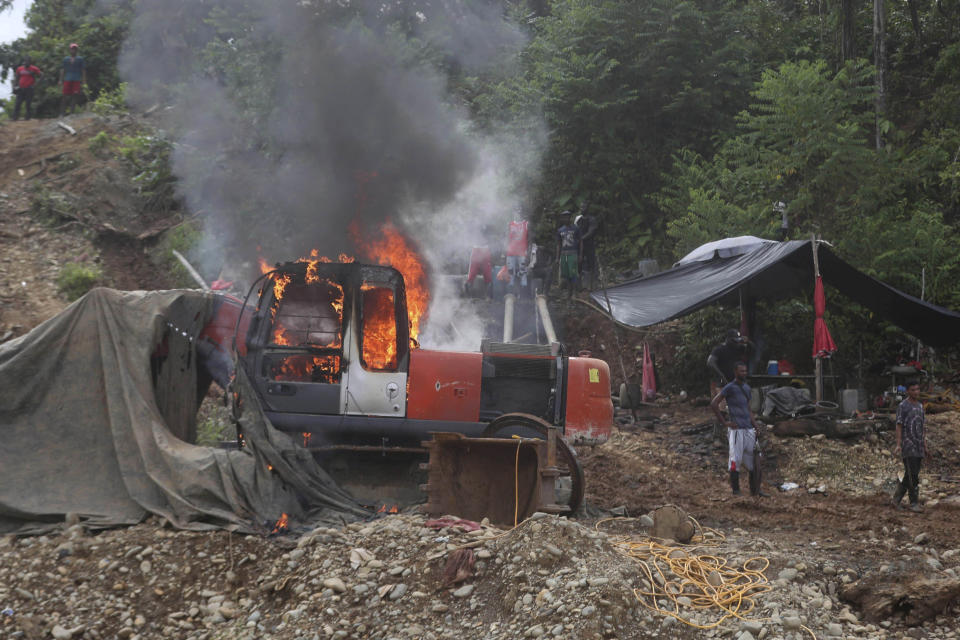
column 911, row 445
column 24, row 79
column 73, row 75
column 741, row 430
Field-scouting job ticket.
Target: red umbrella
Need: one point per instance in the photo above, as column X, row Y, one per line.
column 823, row 344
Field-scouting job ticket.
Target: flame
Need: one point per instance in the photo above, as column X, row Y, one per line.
column 379, row 328
column 395, row 250
column 306, row 438
column 306, row 368
column 383, row 509
column 281, row 526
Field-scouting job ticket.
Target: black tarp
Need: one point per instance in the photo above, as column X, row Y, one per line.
column 772, row 271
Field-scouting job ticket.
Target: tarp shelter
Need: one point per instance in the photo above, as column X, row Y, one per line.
column 96, row 407
column 772, row 270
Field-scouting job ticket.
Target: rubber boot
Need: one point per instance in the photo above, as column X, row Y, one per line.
column 898, row 495
column 755, row 489
column 735, row 482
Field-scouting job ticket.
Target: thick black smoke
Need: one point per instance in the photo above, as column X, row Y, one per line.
column 294, row 117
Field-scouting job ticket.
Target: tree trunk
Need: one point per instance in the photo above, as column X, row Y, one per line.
column 847, row 30
column 915, row 20
column 880, row 62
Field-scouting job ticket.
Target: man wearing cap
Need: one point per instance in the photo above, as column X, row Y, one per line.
column 73, row 75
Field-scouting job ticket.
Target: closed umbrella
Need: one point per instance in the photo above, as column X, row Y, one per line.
column 823, row 344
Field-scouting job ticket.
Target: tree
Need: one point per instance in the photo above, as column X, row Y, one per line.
column 51, row 26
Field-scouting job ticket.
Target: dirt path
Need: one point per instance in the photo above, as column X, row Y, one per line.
column 643, row 469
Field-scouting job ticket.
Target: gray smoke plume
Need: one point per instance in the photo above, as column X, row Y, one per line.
column 294, row 119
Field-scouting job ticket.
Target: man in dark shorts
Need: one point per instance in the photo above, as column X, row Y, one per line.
column 911, row 444
column 73, row 75
column 568, row 251
column 724, row 357
column 24, row 78
column 741, row 430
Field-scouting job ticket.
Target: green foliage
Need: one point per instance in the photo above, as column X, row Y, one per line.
column 76, row 279
column 184, row 238
column 99, row 143
column 110, row 101
column 54, row 24
column 49, row 206
column 214, row 424
column 149, row 157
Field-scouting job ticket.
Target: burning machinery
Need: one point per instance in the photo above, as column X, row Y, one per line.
column 330, row 350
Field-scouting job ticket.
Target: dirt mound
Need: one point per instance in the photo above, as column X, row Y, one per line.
column 70, row 198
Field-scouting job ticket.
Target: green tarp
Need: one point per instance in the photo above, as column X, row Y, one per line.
column 97, row 406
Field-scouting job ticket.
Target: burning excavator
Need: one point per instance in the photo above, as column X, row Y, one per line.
column 330, row 350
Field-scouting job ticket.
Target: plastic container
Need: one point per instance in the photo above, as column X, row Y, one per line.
column 849, row 401
column 773, row 368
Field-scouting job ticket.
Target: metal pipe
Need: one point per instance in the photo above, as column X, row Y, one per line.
column 545, row 318
column 193, row 272
column 509, row 302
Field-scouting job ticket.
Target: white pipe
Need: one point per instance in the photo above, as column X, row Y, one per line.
column 193, row 272
column 509, row 301
column 545, row 318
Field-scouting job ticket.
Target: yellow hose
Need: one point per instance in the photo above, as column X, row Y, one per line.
column 687, row 574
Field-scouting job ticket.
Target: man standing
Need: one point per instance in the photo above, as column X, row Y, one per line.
column 724, row 357
column 568, row 250
column 741, row 430
column 588, row 226
column 24, row 79
column 517, row 232
column 73, row 75
column 911, row 445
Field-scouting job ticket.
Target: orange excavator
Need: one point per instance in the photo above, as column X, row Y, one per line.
column 328, row 351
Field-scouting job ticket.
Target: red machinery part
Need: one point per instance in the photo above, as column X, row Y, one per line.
column 589, row 405
column 444, row 385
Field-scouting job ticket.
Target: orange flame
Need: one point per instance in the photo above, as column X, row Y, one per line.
column 306, row 438
column 379, row 328
column 281, row 526
column 383, row 509
column 395, row 250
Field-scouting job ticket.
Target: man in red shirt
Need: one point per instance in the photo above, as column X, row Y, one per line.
column 517, row 252
column 24, row 79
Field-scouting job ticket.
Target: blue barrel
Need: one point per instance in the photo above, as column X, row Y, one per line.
column 773, row 369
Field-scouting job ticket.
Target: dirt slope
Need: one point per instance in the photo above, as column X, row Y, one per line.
column 62, row 202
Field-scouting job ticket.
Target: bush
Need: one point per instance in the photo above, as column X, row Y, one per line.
column 110, row 102
column 76, row 279
column 99, row 143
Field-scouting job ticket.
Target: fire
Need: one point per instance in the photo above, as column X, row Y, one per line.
column 306, row 438
column 281, row 525
column 379, row 328
column 395, row 250
column 383, row 509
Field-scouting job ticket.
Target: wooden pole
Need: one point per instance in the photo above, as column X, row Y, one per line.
column 818, row 361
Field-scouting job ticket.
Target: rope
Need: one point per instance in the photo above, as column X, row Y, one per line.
column 516, row 482
column 671, row 575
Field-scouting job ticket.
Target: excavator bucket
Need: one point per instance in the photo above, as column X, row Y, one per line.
column 502, row 479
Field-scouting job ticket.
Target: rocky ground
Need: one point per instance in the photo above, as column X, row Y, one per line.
column 830, row 558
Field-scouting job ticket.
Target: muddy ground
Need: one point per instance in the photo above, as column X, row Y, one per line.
column 60, row 202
